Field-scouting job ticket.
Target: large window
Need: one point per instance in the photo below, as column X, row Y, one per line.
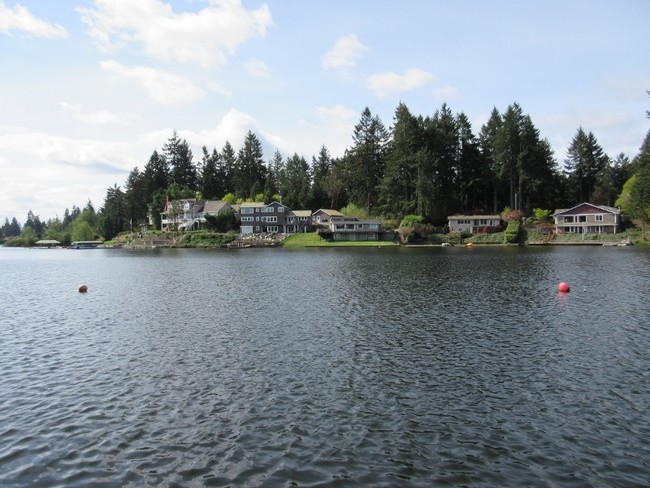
column 246, row 210
column 582, row 218
column 568, row 219
column 599, row 218
column 247, row 219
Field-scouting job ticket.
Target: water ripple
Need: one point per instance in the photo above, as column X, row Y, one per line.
column 325, row 368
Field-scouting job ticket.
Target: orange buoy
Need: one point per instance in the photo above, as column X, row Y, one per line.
column 564, row 287
column 83, row 289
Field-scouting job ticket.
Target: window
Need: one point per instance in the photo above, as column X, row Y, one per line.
column 247, row 219
column 599, row 218
column 272, row 228
column 582, row 218
column 568, row 219
column 268, row 209
column 280, row 209
column 246, row 210
column 270, row 218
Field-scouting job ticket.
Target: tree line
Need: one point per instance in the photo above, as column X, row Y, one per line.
column 430, row 166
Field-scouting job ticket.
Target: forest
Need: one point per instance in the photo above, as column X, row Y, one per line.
column 429, row 166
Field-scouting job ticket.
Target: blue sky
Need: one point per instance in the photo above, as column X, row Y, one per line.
column 89, row 88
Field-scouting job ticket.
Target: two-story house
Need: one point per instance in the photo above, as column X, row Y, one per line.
column 352, row 229
column 183, row 214
column 474, row 223
column 323, row 216
column 587, row 218
column 258, row 217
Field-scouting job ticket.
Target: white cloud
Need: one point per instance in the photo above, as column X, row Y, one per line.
column 345, row 53
column 338, row 125
column 337, row 113
column 445, row 93
column 206, row 37
column 163, row 87
column 384, row 83
column 47, row 173
column 257, row 68
column 232, row 127
column 100, row 117
column 20, row 19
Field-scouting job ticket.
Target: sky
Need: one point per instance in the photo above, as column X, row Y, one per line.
column 90, row 88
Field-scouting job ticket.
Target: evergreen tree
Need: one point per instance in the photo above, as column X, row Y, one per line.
column 250, row 171
column 33, row 222
column 488, row 147
column 114, row 216
column 178, row 155
column 136, row 198
column 228, row 163
column 212, row 177
column 334, row 183
column 438, row 173
column 405, row 154
column 10, row 229
column 365, row 160
column 275, row 177
column 473, row 172
column 585, row 160
column 156, row 174
column 296, row 183
column 319, row 169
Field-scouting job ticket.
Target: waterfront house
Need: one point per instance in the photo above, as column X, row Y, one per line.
column 352, row 229
column 324, row 216
column 298, row 221
column 474, row 223
column 587, row 218
column 258, row 217
column 183, row 214
column 214, row 207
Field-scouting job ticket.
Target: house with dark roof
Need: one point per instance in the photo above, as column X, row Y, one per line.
column 274, row 217
column 587, row 218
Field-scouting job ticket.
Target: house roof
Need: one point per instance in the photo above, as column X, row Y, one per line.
column 215, row 206
column 301, row 213
column 252, row 205
column 586, row 208
column 465, row 217
column 330, row 212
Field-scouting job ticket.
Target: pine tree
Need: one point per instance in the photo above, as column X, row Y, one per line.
column 405, row 152
column 320, row 168
column 136, row 198
column 227, row 170
column 211, row 175
column 250, row 171
column 179, row 157
column 585, row 159
column 365, row 160
column 296, row 183
column 113, row 217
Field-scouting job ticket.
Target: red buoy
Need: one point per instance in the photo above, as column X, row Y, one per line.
column 563, row 287
column 83, row 289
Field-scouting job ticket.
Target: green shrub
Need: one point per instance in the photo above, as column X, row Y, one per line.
column 512, row 232
column 411, row 220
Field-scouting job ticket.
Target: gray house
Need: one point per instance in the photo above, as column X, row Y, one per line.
column 587, row 218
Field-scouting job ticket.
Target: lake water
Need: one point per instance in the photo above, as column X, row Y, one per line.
column 325, row 367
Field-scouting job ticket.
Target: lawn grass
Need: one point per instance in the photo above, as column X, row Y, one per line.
column 312, row 239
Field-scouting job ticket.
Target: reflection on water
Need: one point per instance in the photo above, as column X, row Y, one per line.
column 329, row 367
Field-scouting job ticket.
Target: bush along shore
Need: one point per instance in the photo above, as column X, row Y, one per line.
column 515, row 234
